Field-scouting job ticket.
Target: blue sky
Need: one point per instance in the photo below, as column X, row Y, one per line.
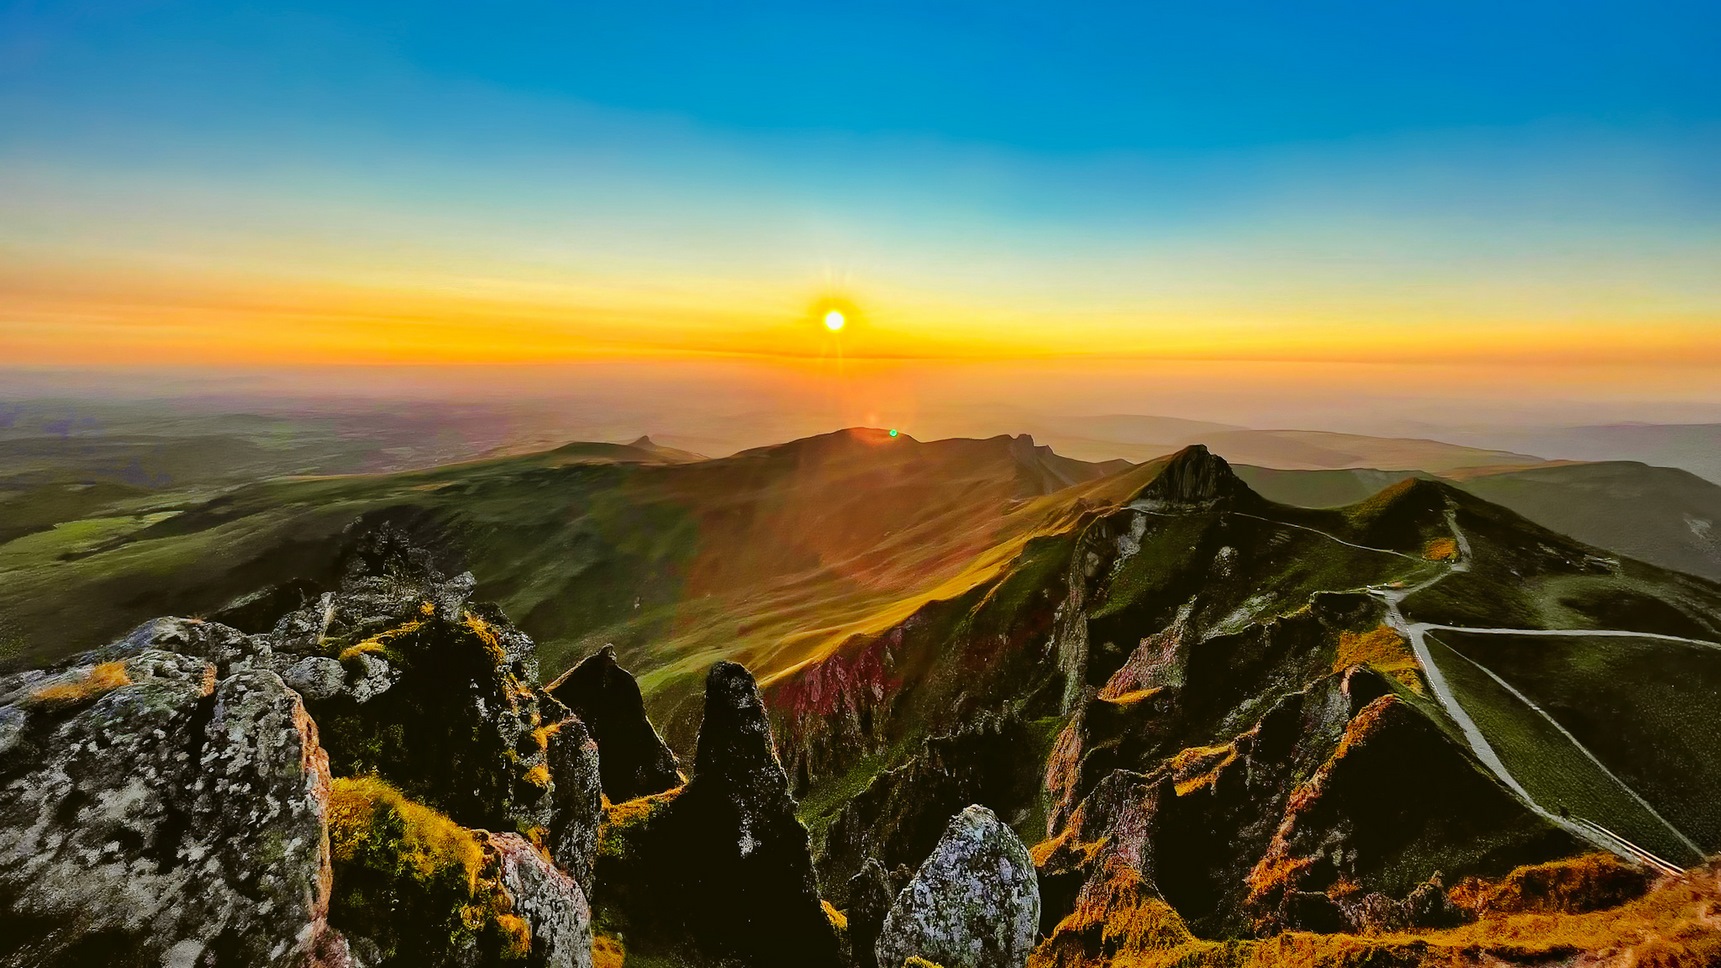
column 1038, row 77
column 1284, row 176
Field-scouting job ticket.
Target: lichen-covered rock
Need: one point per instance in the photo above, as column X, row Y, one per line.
column 316, row 677
column 975, row 903
column 370, row 677
column 550, row 903
column 221, row 645
column 606, row 698
column 152, row 815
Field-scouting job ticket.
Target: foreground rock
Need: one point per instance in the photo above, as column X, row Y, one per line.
column 167, row 799
column 635, row 761
column 150, row 814
column 975, row 903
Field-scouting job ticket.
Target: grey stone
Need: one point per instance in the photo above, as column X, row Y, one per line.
column 577, row 800
column 173, row 816
column 316, row 677
column 975, row 903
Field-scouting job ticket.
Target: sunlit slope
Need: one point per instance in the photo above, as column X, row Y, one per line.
column 1167, row 632
column 769, row 556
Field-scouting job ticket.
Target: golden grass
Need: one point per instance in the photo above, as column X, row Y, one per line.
column 837, row 919
column 1573, row 885
column 1130, row 698
column 608, row 952
column 1441, row 549
column 1120, row 922
column 1382, row 649
column 621, row 821
column 95, row 683
column 487, row 634
column 431, row 844
column 1195, row 767
column 378, row 644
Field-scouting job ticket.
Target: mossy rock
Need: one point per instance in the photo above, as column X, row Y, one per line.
column 412, row 887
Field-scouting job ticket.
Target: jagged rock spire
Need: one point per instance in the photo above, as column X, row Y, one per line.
column 634, row 761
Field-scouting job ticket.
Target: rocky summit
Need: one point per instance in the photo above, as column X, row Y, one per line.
column 195, row 795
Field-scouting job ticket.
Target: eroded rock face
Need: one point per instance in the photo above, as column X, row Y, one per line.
column 869, row 897
column 975, row 903
column 606, row 698
column 150, row 814
column 1194, row 476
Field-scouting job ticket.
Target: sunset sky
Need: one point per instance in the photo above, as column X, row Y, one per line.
column 1529, row 187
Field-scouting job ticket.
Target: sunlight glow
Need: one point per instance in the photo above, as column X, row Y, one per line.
column 834, row 321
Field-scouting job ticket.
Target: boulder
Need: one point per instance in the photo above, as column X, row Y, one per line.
column 150, row 814
column 975, row 903
column 636, row 761
column 315, row 677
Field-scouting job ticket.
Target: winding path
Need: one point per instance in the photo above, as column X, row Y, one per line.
column 1417, row 634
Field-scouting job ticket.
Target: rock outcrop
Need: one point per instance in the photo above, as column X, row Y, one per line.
column 150, row 814
column 869, row 898
column 550, row 903
column 1194, row 476
column 635, row 760
column 167, row 799
column 975, row 903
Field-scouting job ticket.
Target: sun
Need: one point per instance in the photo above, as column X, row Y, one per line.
column 834, row 321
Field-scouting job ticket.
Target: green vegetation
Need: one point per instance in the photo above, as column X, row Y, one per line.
column 1554, row 771
column 1649, row 710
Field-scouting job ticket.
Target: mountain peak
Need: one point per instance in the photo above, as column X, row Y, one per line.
column 1194, row 475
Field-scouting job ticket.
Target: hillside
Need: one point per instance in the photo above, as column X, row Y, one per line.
column 1661, row 515
column 770, row 556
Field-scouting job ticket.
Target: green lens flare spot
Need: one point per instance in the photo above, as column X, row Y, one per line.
column 893, row 431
